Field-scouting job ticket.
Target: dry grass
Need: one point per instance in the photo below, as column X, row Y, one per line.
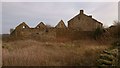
column 0, row 53
column 34, row 53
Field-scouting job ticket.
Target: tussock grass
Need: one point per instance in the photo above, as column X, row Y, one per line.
column 34, row 53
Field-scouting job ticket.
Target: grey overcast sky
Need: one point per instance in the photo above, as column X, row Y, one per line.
column 59, row 0
column 13, row 13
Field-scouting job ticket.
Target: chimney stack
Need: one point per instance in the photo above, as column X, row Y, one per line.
column 81, row 11
column 90, row 16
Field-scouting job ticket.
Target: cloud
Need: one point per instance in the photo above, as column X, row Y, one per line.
column 52, row 12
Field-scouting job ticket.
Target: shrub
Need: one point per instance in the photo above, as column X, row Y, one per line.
column 98, row 32
column 115, row 29
column 109, row 57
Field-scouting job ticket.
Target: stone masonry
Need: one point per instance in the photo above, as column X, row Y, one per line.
column 81, row 23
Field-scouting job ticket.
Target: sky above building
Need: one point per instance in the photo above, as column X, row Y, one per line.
column 59, row 0
column 13, row 13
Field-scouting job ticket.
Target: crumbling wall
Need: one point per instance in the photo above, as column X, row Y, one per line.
column 79, row 27
column 71, row 34
column 55, row 34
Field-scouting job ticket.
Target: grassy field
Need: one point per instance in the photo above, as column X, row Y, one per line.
column 36, row 53
column 0, row 53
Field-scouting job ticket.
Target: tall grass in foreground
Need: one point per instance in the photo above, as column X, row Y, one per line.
column 0, row 52
column 33, row 53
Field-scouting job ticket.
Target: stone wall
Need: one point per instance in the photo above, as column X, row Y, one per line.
column 84, row 23
column 72, row 34
column 34, row 33
column 79, row 27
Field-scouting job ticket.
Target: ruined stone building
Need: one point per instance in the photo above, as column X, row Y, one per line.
column 81, row 22
column 41, row 25
column 61, row 24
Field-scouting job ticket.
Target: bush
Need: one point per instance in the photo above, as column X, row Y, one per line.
column 109, row 57
column 117, row 32
column 98, row 32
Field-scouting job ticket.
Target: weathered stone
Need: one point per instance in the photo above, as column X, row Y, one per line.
column 61, row 25
column 83, row 22
column 41, row 25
